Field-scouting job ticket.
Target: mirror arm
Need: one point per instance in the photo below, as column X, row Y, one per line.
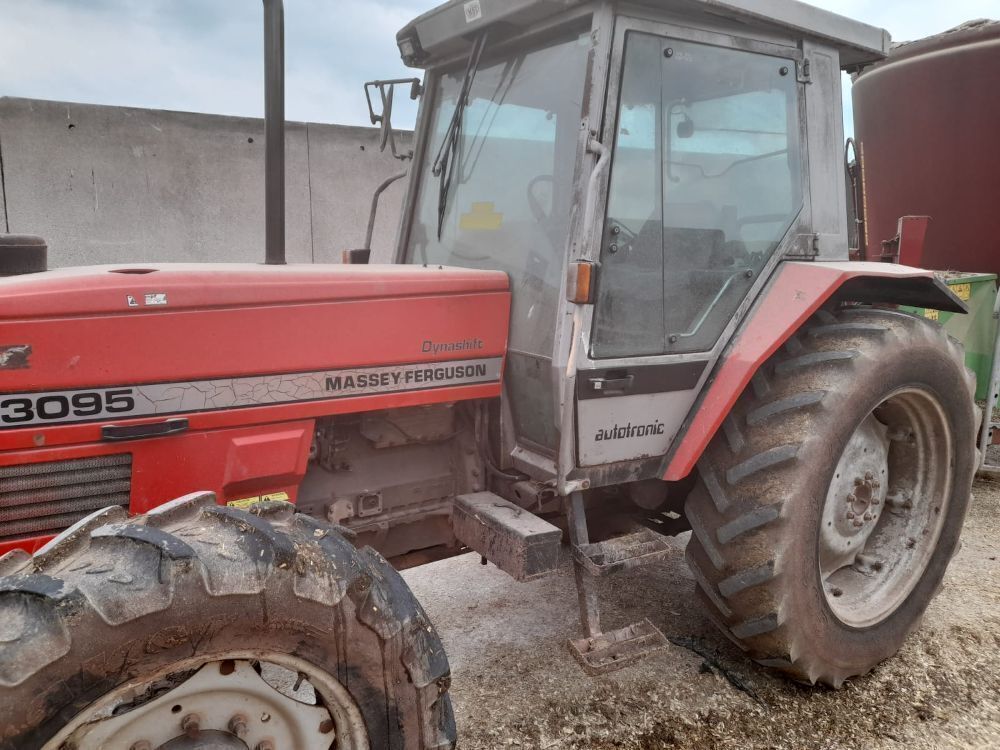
column 374, row 209
column 386, row 90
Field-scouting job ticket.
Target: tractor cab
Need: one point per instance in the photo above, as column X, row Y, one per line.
column 639, row 171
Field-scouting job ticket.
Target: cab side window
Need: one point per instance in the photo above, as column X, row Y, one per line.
column 706, row 181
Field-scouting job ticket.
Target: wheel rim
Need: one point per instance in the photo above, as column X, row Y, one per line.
column 239, row 700
column 885, row 507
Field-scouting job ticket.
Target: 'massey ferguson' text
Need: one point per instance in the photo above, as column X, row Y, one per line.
column 424, row 375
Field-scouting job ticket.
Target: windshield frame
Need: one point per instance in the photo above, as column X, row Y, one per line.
column 496, row 50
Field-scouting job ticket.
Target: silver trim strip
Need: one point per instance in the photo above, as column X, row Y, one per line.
column 155, row 399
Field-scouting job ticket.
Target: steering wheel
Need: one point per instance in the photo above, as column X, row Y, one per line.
column 535, row 205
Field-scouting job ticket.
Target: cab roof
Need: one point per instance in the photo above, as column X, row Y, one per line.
column 448, row 29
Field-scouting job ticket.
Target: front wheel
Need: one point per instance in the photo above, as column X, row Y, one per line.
column 831, row 502
column 200, row 626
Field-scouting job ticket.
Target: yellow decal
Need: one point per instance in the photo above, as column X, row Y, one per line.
column 963, row 291
column 931, row 314
column 246, row 502
column 482, row 217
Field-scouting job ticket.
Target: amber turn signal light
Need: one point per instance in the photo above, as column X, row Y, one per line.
column 580, row 282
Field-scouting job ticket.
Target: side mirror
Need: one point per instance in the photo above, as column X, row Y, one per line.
column 386, row 91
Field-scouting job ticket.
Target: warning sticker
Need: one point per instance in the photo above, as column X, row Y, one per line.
column 246, row 502
column 962, row 291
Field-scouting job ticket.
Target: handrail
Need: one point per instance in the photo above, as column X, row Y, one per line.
column 693, row 331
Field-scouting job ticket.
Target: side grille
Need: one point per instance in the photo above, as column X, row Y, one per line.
column 45, row 498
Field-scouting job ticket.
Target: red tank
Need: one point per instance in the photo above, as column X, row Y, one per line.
column 926, row 122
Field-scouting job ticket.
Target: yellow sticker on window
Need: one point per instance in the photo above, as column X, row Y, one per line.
column 246, row 502
column 931, row 314
column 481, row 217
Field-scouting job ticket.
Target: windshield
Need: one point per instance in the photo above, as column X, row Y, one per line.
column 705, row 183
column 508, row 203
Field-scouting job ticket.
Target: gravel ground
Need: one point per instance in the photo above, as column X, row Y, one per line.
column 516, row 685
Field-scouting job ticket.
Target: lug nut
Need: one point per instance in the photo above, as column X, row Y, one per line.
column 191, row 725
column 851, row 499
column 868, row 516
column 238, row 725
column 850, row 514
column 869, row 476
column 264, row 745
column 859, row 523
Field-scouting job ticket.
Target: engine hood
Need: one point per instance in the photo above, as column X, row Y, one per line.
column 114, row 288
column 258, row 343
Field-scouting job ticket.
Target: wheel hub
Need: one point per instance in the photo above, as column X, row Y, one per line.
column 862, row 503
column 210, row 740
column 227, row 704
column 884, row 508
column 856, row 496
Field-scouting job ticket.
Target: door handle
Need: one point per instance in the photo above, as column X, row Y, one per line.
column 113, row 432
column 612, row 385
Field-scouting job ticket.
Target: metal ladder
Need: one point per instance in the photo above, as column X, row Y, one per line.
column 990, row 432
column 599, row 652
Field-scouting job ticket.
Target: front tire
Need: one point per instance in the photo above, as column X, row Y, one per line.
column 831, row 501
column 163, row 626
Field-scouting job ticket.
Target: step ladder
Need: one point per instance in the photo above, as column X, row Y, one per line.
column 990, row 432
column 599, row 652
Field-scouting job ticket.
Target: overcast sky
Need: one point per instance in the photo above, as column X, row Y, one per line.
column 205, row 55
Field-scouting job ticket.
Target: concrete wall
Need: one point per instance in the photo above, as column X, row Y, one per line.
column 114, row 185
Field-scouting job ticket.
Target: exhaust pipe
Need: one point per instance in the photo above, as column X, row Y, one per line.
column 274, row 132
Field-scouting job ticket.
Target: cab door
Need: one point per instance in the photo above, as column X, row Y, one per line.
column 706, row 186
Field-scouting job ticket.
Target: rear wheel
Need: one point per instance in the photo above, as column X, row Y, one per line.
column 199, row 626
column 831, row 501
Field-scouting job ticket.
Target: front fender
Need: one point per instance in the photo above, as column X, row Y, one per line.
column 795, row 292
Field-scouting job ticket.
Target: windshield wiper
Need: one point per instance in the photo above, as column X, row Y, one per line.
column 444, row 162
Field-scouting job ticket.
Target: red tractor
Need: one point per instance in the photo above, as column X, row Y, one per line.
column 621, row 303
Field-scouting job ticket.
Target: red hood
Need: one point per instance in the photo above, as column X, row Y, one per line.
column 104, row 289
column 112, row 327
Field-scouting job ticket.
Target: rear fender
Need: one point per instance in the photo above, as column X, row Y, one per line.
column 797, row 290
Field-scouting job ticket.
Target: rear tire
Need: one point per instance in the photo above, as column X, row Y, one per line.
column 766, row 510
column 149, row 599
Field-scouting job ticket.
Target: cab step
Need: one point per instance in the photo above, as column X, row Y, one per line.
column 621, row 553
column 597, row 651
column 607, row 652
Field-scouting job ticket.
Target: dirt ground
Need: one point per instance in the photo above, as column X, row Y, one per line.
column 516, row 685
